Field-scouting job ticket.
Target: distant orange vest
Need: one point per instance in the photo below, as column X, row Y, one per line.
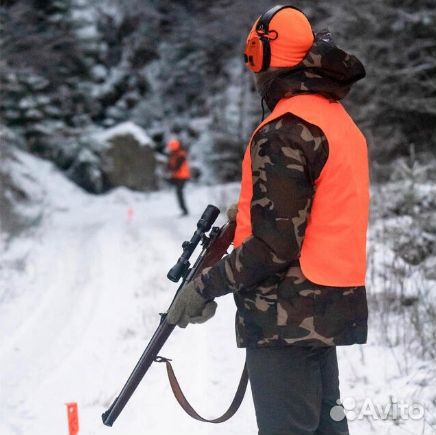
column 333, row 251
column 183, row 173
column 176, row 151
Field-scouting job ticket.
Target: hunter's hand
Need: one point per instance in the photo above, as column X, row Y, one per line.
column 190, row 307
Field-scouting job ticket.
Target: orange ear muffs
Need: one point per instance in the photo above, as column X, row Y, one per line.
column 257, row 53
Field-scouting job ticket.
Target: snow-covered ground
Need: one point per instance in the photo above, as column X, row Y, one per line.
column 80, row 296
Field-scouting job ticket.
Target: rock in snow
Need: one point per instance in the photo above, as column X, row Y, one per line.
column 128, row 160
column 119, row 156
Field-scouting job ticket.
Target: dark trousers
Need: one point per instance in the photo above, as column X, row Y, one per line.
column 294, row 389
column 179, row 185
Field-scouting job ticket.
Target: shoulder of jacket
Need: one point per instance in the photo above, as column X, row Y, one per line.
column 292, row 129
column 297, row 134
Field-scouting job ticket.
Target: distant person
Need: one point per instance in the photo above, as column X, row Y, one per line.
column 179, row 168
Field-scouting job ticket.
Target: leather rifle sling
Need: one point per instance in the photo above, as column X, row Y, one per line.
column 183, row 402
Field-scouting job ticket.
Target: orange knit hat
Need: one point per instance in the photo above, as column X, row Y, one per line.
column 294, row 37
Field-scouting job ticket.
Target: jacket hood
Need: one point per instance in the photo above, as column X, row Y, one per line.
column 326, row 70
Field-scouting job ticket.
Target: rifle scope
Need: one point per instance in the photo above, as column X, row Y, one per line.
column 204, row 224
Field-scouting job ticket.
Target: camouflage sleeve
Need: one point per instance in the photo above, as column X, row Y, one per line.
column 287, row 156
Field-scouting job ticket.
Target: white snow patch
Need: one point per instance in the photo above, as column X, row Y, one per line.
column 124, row 129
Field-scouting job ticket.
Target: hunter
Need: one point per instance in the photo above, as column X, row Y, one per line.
column 297, row 272
column 179, row 169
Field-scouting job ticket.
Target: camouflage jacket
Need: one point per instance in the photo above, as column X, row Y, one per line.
column 276, row 304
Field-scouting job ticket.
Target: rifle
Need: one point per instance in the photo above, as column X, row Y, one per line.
column 214, row 246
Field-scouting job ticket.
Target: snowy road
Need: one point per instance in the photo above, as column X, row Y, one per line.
column 79, row 300
column 90, row 290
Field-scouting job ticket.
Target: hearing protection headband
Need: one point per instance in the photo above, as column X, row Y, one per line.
column 257, row 54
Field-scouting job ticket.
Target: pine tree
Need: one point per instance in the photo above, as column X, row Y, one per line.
column 40, row 72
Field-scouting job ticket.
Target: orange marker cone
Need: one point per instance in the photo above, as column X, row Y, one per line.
column 73, row 418
column 130, row 213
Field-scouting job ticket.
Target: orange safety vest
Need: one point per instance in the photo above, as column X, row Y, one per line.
column 176, row 151
column 333, row 251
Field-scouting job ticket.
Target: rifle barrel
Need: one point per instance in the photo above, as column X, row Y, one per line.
column 150, row 353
